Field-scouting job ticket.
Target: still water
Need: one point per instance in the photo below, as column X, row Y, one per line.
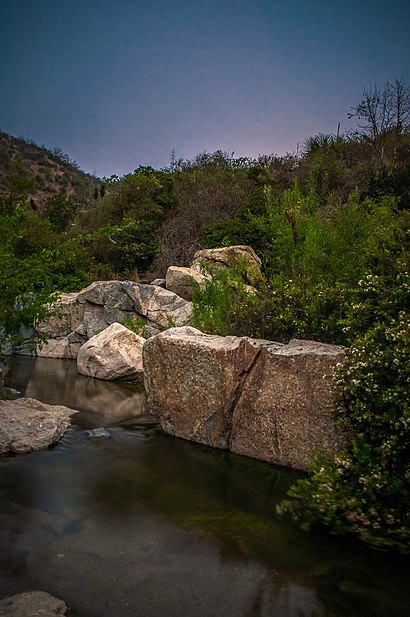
column 140, row 524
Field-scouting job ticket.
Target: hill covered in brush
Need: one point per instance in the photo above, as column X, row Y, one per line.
column 37, row 173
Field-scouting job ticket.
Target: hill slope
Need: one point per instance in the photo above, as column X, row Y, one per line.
column 48, row 172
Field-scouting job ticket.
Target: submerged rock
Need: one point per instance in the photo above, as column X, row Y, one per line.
column 31, row 603
column 27, row 424
column 98, row 433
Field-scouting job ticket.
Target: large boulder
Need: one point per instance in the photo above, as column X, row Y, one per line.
column 27, row 424
column 193, row 381
column 283, row 412
column 30, row 603
column 113, row 354
column 182, row 281
column 256, row 398
column 210, row 260
column 75, row 318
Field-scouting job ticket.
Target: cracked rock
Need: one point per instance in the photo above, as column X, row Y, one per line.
column 256, row 398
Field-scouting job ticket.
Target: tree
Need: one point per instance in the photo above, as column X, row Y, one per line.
column 25, row 282
column 381, row 111
column 15, row 187
column 59, row 210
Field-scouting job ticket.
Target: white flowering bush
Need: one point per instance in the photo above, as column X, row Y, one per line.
column 366, row 488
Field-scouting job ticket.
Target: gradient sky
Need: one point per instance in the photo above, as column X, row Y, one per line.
column 123, row 83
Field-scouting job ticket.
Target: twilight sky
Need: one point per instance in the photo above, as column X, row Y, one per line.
column 121, row 83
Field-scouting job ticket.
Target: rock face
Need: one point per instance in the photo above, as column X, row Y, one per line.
column 27, row 424
column 256, row 398
column 283, row 411
column 114, row 354
column 32, row 603
column 181, row 281
column 62, row 327
column 193, row 381
column 75, row 318
column 1, row 384
column 226, row 257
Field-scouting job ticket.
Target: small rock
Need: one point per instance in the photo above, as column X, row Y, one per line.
column 182, row 281
column 31, row 604
column 99, row 432
column 159, row 283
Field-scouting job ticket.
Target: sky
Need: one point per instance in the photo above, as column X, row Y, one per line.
column 124, row 83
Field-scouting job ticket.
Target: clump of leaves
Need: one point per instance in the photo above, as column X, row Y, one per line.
column 136, row 325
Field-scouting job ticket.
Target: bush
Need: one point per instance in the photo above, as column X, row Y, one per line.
column 224, row 305
column 365, row 489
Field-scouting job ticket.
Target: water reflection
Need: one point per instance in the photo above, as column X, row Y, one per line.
column 55, row 382
column 146, row 525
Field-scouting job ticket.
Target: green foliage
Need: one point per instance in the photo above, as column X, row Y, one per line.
column 136, row 325
column 129, row 219
column 313, row 258
column 36, row 265
column 210, row 187
column 128, row 248
column 394, row 183
column 72, row 267
column 365, row 489
column 24, row 280
column 60, row 210
column 15, row 186
column 223, row 305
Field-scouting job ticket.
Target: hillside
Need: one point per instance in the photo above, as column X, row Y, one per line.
column 44, row 172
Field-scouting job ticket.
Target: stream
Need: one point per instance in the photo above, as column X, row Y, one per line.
column 140, row 524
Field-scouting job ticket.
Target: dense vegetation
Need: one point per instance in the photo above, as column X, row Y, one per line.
column 331, row 227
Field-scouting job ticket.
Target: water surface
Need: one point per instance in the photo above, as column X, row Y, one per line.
column 141, row 524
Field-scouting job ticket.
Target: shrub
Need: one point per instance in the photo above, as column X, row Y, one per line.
column 365, row 489
column 224, row 304
column 138, row 326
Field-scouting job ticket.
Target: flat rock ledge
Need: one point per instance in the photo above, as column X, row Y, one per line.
column 31, row 603
column 27, row 425
column 255, row 398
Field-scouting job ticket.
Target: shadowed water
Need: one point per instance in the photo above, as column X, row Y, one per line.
column 145, row 525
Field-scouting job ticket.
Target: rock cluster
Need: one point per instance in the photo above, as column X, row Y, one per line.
column 255, row 398
column 75, row 318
